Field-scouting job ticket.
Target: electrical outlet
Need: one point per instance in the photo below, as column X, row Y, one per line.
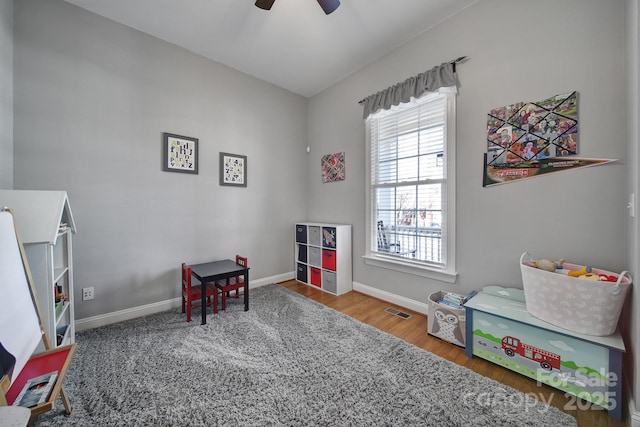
column 87, row 294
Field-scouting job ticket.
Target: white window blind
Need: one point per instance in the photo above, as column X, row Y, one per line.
column 408, row 146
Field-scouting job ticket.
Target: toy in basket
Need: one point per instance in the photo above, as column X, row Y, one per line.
column 582, row 299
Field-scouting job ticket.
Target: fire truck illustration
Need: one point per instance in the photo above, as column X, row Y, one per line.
column 546, row 359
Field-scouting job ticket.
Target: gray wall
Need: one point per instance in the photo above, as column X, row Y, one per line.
column 572, row 215
column 518, row 51
column 6, row 94
column 633, row 138
column 92, row 98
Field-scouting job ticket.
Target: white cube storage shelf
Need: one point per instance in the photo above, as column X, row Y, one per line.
column 323, row 256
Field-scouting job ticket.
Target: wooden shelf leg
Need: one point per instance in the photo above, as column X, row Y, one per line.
column 65, row 402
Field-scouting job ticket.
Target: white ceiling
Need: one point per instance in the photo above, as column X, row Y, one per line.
column 294, row 45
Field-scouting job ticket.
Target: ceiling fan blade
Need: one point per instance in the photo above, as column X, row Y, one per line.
column 328, row 5
column 265, row 4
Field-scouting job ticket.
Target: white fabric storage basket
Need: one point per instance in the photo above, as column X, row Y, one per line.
column 580, row 305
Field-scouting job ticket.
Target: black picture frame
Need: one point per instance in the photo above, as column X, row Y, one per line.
column 233, row 170
column 179, row 153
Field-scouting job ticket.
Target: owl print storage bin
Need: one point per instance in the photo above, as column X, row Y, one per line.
column 446, row 322
column 585, row 306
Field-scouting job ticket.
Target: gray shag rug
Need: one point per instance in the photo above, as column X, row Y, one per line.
column 289, row 361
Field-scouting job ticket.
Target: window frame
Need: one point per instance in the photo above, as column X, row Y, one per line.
column 420, row 268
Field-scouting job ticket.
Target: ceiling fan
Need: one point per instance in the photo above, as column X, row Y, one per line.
column 327, row 5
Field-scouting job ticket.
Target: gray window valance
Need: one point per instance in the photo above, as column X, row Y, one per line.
column 430, row 81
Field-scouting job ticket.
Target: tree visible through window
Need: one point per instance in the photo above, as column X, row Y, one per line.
column 409, row 180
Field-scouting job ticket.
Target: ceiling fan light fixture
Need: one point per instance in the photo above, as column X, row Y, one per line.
column 329, row 5
column 265, row 4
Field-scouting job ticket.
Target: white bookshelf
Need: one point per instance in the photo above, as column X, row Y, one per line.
column 45, row 223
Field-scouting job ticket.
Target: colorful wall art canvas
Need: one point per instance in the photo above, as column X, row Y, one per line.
column 333, row 167
column 529, row 139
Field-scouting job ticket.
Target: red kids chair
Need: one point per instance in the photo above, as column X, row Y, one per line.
column 232, row 284
column 191, row 294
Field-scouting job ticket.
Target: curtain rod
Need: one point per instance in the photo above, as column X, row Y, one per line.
column 452, row 62
column 457, row 61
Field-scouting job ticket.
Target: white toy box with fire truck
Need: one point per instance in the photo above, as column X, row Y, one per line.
column 501, row 330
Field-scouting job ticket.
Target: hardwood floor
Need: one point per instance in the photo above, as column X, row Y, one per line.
column 414, row 331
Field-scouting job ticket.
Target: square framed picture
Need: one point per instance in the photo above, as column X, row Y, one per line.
column 233, row 170
column 179, row 153
column 333, row 167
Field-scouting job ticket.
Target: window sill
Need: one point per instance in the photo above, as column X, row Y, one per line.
column 411, row 268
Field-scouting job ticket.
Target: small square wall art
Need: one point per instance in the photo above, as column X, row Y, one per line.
column 333, row 167
column 179, row 153
column 233, row 170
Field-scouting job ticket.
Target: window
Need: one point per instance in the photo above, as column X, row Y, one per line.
column 410, row 187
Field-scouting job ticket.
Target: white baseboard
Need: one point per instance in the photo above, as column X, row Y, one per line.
column 418, row 306
column 144, row 310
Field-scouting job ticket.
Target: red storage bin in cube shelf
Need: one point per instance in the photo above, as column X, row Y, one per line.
column 329, row 259
column 316, row 276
